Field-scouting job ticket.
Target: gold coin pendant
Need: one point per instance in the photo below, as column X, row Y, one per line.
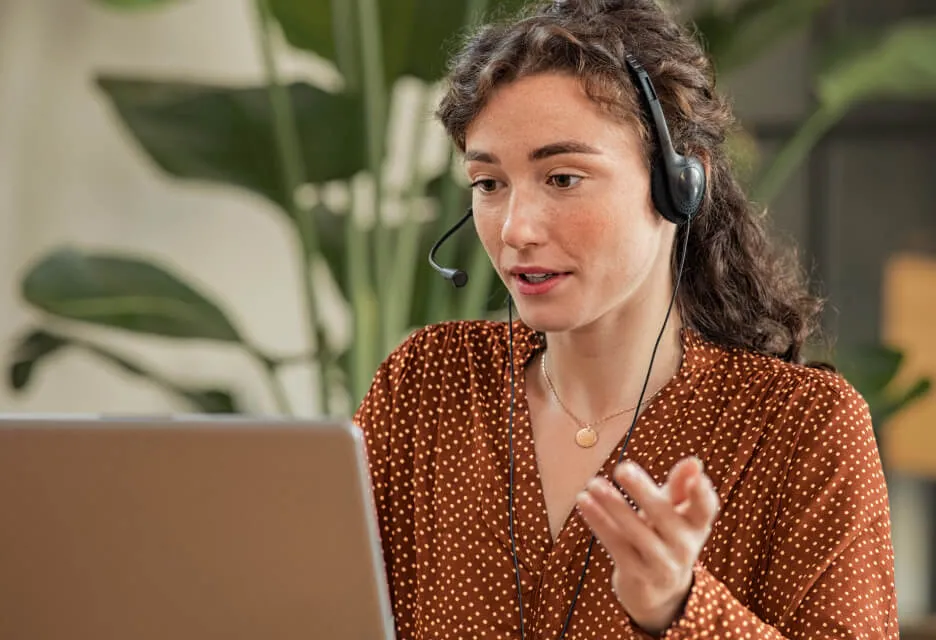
column 586, row 437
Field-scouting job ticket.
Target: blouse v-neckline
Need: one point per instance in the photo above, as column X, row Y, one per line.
column 537, row 551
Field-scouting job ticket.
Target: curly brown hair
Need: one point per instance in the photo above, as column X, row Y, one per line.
column 737, row 289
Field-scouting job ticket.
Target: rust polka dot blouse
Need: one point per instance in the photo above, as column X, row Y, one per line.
column 801, row 547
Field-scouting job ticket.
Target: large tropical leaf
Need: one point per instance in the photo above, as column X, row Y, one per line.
column 736, row 34
column 901, row 400
column 872, row 369
column 39, row 344
column 899, row 62
column 308, row 25
column 226, row 135
column 417, row 35
column 124, row 293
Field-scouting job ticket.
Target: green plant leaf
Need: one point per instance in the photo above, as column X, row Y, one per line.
column 39, row 344
column 896, row 403
column 898, row 63
column 331, row 229
column 870, row 368
column 418, row 35
column 739, row 34
column 34, row 347
column 225, row 135
column 124, row 293
column 212, row 401
column 307, row 25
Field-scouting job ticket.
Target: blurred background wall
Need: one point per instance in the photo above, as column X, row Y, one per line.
column 862, row 209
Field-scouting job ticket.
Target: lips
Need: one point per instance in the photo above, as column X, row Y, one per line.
column 535, row 273
column 536, row 280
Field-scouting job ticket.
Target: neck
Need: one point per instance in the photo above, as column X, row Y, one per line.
column 599, row 370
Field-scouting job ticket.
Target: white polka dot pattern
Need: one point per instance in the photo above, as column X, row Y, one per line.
column 801, row 548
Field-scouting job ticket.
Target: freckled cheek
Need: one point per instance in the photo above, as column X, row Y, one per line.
column 586, row 233
column 609, row 245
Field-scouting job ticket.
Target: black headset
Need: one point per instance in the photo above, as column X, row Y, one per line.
column 677, row 187
column 677, row 182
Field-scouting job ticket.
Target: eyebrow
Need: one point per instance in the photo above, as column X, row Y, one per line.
column 547, row 151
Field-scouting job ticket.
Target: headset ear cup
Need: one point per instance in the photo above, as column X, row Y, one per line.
column 659, row 192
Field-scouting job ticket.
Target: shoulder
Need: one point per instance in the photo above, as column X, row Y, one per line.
column 435, row 368
column 481, row 341
column 770, row 378
column 806, row 430
column 814, row 414
column 450, row 339
column 452, row 350
column 460, row 334
column 793, row 402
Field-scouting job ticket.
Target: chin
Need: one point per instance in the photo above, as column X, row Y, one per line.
column 545, row 320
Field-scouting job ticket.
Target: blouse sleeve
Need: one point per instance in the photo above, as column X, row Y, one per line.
column 829, row 572
column 386, row 418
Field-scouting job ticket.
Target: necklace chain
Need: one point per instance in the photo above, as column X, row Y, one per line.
column 587, row 436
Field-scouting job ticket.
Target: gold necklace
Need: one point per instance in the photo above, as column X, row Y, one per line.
column 586, row 437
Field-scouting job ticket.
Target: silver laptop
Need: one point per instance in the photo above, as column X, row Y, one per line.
column 187, row 528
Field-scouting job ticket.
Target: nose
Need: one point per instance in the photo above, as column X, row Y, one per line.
column 523, row 226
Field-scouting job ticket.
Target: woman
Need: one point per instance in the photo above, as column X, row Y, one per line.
column 615, row 465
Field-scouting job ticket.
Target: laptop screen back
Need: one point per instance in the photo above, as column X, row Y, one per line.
column 188, row 528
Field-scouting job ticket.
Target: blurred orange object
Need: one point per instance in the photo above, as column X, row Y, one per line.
column 909, row 324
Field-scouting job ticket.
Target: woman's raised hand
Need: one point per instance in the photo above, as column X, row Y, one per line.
column 655, row 546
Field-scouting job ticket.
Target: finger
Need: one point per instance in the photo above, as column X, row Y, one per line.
column 680, row 480
column 608, row 531
column 703, row 504
column 629, row 526
column 653, row 501
column 658, row 556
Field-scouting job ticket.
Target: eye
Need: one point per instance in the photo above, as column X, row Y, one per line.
column 485, row 185
column 564, row 180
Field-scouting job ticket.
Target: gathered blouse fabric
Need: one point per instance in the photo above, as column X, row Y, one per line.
column 801, row 547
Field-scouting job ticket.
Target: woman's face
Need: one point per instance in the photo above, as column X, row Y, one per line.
column 561, row 198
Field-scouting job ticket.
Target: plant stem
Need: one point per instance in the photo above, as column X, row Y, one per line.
column 375, row 109
column 157, row 379
column 793, row 153
column 270, row 367
column 293, row 170
column 280, row 397
column 365, row 309
column 357, row 252
column 407, row 244
column 346, row 53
